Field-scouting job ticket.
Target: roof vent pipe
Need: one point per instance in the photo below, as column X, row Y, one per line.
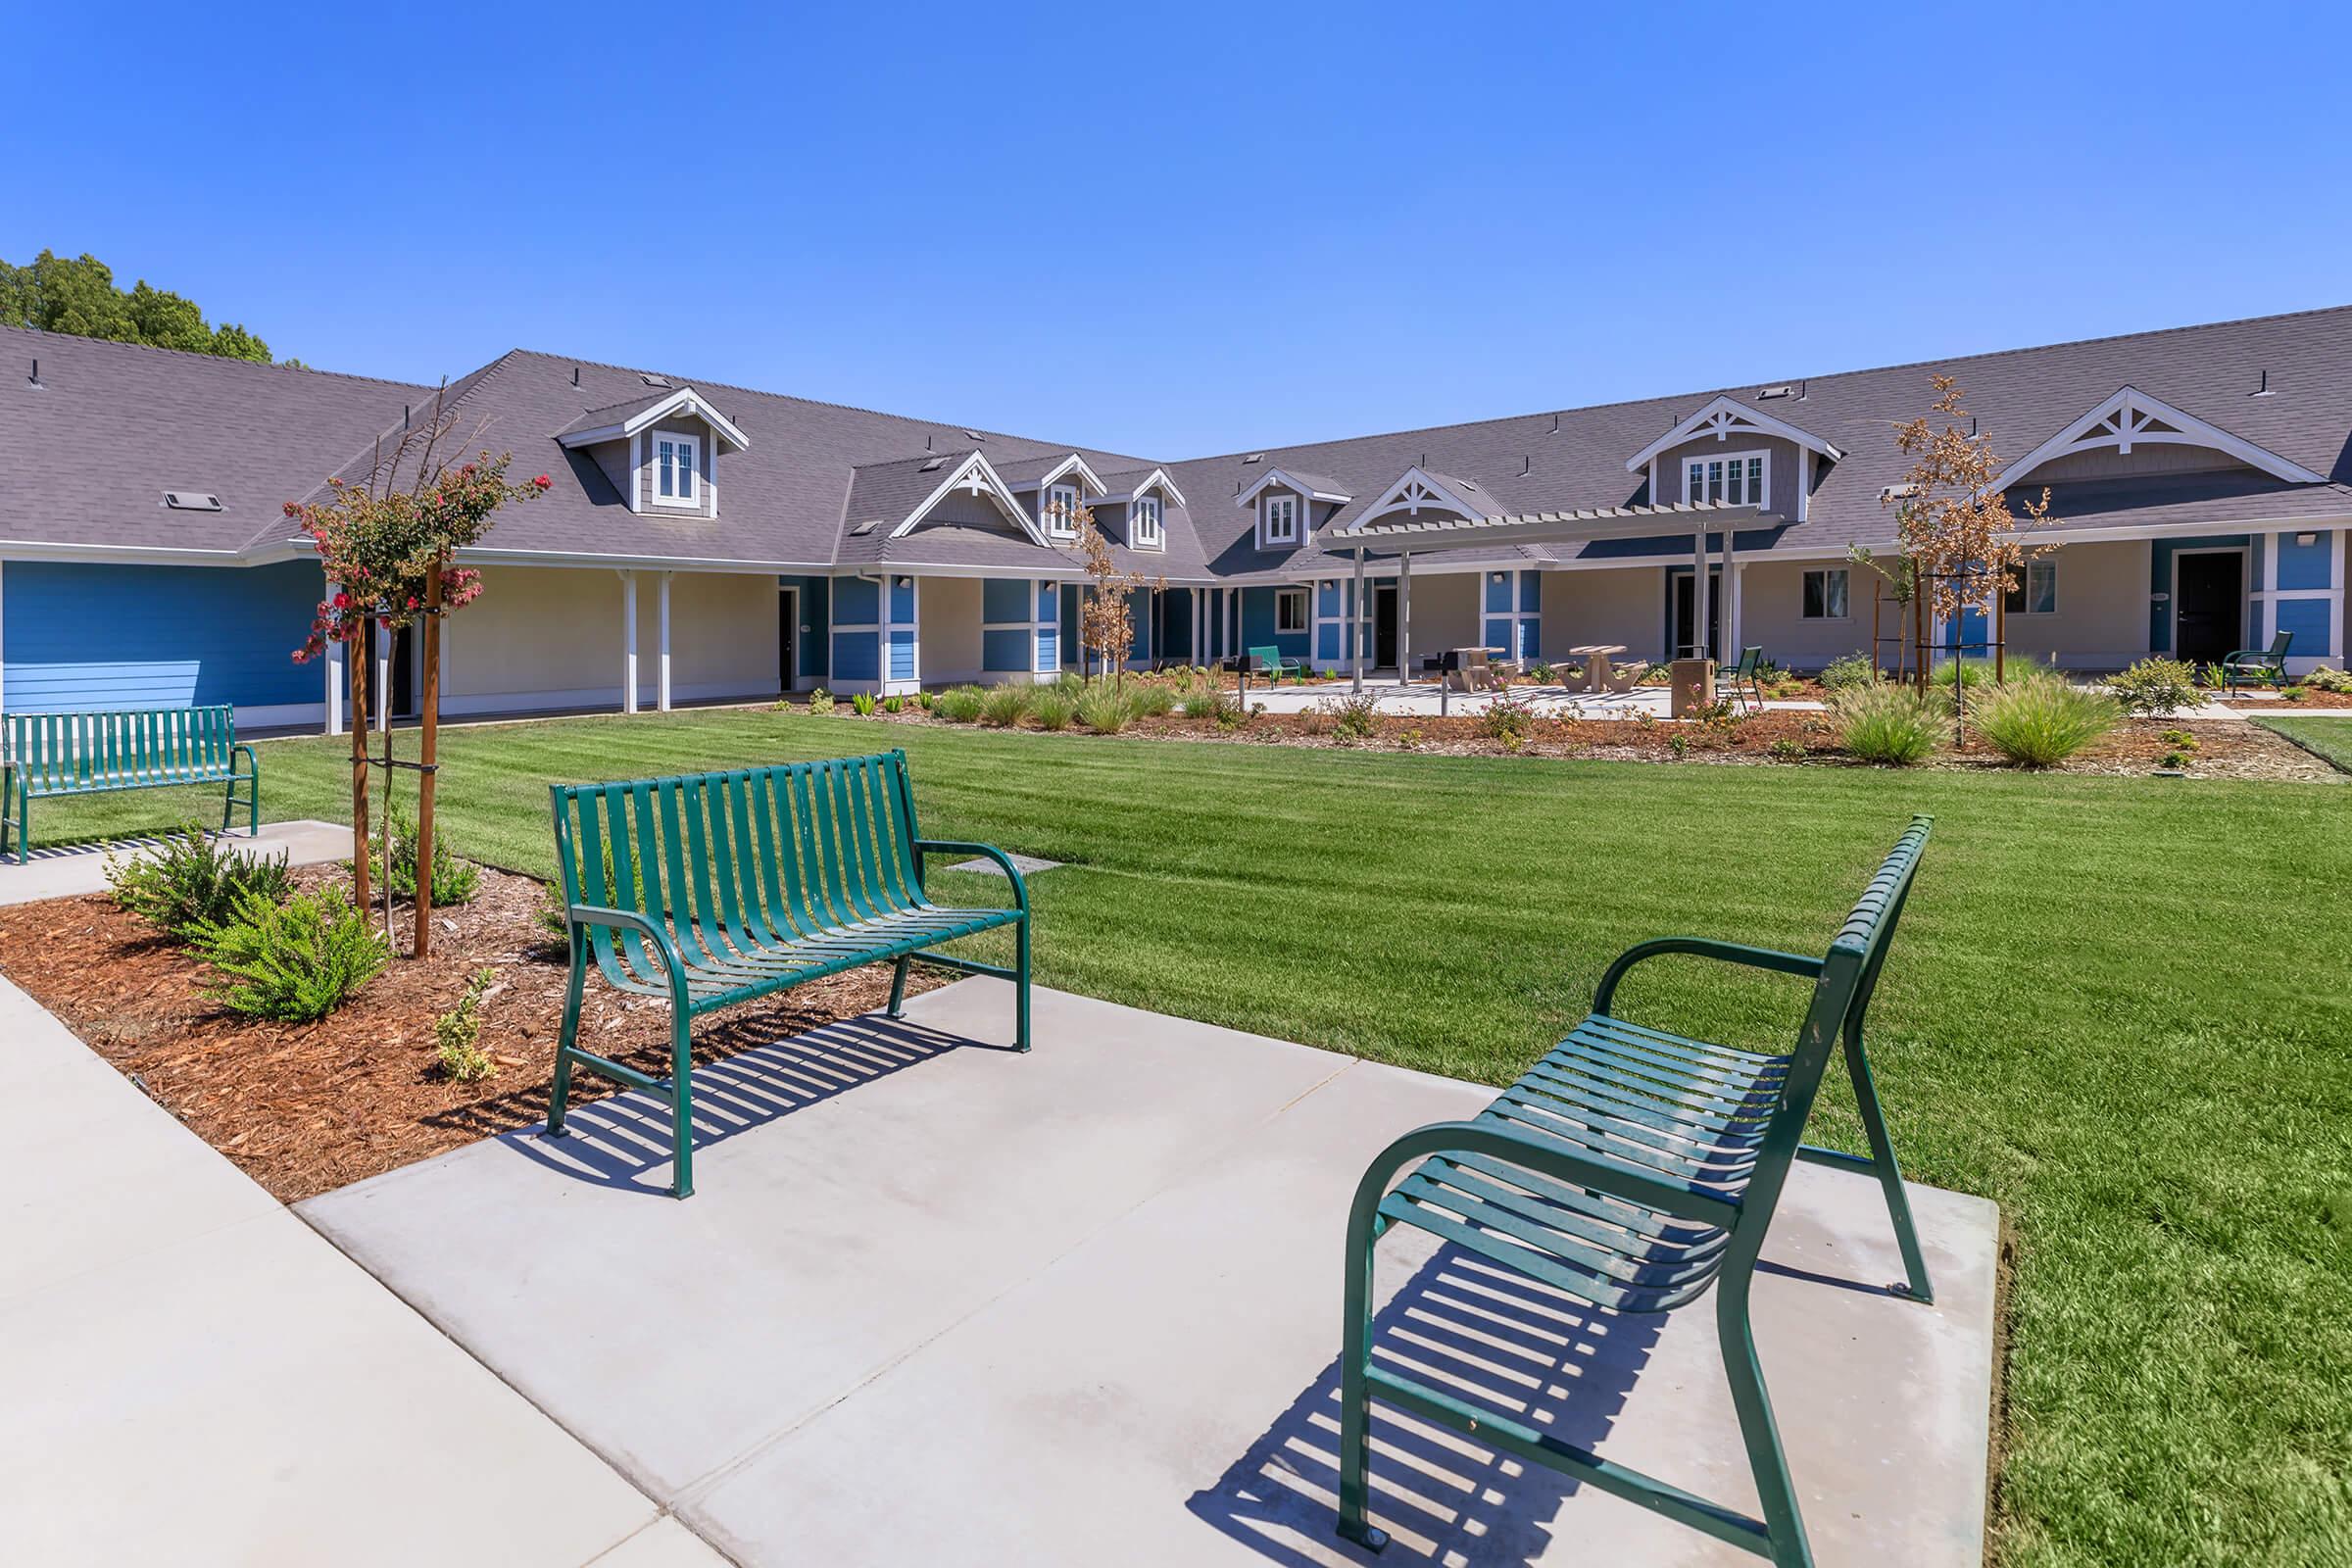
column 575, row 375
column 403, row 415
column 35, row 378
column 2261, row 391
column 1555, row 425
column 1527, row 464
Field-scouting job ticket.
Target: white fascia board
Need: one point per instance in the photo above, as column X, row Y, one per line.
column 685, row 401
column 988, row 484
column 2130, row 403
column 1724, row 417
column 1157, row 479
column 1274, row 476
column 1087, row 479
column 1441, row 495
column 121, row 555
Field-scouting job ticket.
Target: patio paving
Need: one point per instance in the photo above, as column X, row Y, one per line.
column 195, row 1377
column 65, row 871
column 1424, row 697
column 937, row 1302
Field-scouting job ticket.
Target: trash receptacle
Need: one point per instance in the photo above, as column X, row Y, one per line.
column 1692, row 687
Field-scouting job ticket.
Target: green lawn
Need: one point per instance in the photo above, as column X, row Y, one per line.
column 2117, row 1006
column 2328, row 735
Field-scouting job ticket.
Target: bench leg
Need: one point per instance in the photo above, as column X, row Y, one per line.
column 1020, row 985
column 23, row 826
column 1355, row 1396
column 1890, row 1175
column 1784, row 1525
column 898, row 990
column 681, row 1101
column 560, row 1096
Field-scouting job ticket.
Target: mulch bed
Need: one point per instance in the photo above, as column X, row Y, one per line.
column 304, row 1108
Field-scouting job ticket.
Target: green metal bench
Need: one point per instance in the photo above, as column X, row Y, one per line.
column 1269, row 663
column 711, row 889
column 1633, row 1170
column 2258, row 666
column 51, row 754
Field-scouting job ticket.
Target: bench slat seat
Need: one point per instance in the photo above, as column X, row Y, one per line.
column 52, row 755
column 714, row 889
column 1635, row 1169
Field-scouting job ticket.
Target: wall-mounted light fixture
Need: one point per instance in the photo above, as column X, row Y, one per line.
column 2307, row 538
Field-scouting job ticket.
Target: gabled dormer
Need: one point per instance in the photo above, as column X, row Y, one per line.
column 2102, row 444
column 1285, row 501
column 1057, row 488
column 1140, row 500
column 1735, row 455
column 661, row 450
column 940, row 491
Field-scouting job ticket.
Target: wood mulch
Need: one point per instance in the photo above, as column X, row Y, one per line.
column 304, row 1108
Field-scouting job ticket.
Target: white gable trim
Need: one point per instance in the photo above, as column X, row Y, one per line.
column 1416, row 491
column 1157, row 479
column 2133, row 417
column 975, row 475
column 1724, row 417
column 1276, row 476
column 1087, row 479
column 684, row 403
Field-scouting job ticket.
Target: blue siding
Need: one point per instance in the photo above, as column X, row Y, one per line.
column 1071, row 648
column 1004, row 602
column 1049, row 601
column 1327, row 598
column 1049, row 647
column 1258, row 626
column 1531, row 640
column 855, row 655
column 857, row 600
column 815, row 594
column 1498, row 595
column 2305, row 565
column 1139, row 616
column 1327, row 643
column 2307, row 618
column 1531, row 591
column 1498, row 632
column 86, row 636
column 901, row 600
column 1004, row 648
column 902, row 653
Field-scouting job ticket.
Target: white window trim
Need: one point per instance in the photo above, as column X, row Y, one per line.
column 1824, row 572
column 1139, row 510
column 1301, row 598
column 1061, row 510
column 1698, row 464
column 1267, row 507
column 653, row 458
column 2025, row 587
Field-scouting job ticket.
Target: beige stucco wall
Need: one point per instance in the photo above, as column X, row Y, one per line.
column 948, row 624
column 2102, row 618
column 1772, row 606
column 551, row 637
column 1623, row 605
column 1444, row 612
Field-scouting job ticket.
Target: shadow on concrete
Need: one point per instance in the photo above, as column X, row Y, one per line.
column 624, row 1141
column 1491, row 1338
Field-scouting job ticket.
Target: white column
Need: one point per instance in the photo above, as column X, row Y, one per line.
column 1735, row 574
column 2270, row 589
column 1356, row 628
column 1404, row 616
column 385, row 641
column 661, row 699
column 1698, row 595
column 628, row 642
column 338, row 678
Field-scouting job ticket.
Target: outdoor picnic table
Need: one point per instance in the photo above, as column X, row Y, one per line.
column 1597, row 657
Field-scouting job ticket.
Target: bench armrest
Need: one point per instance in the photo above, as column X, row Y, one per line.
column 1704, row 948
column 584, row 914
column 986, row 852
column 253, row 764
column 1542, row 1157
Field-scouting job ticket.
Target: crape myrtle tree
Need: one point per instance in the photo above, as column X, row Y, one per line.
column 388, row 546
column 1106, row 619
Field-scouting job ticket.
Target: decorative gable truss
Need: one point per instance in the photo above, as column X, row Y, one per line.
column 1726, row 417
column 1420, row 491
column 2132, row 418
column 973, row 477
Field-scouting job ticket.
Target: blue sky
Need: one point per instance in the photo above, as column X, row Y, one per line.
column 1189, row 229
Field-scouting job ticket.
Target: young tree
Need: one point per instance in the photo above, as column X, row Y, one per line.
column 1953, row 521
column 1106, row 623
column 388, row 547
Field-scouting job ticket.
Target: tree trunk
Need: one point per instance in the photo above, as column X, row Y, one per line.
column 428, row 720
column 355, row 654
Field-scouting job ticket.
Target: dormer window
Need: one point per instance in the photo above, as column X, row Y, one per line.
column 1736, row 478
column 1061, row 510
column 1147, row 523
column 677, row 465
column 1278, row 519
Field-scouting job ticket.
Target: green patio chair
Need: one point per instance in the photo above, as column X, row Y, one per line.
column 2258, row 666
column 1747, row 689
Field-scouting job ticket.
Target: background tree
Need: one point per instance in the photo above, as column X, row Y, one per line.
column 388, row 547
column 79, row 299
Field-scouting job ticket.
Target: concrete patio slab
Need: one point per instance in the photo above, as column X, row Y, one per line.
column 195, row 1377
column 69, row 870
column 938, row 1303
column 1027, row 865
column 1424, row 698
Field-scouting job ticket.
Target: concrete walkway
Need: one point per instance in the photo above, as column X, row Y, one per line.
column 939, row 1303
column 67, row 871
column 190, row 1375
column 1424, row 698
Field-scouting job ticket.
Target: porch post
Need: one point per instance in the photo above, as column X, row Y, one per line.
column 1733, row 635
column 1356, row 628
column 2269, row 588
column 1698, row 596
column 1404, row 616
column 337, row 677
column 384, row 640
column 661, row 699
column 628, row 642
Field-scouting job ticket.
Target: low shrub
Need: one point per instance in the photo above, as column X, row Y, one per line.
column 2328, row 679
column 1209, row 702
column 295, row 962
column 455, row 881
column 1052, row 709
column 1507, row 719
column 820, row 701
column 2155, row 688
column 1408, row 739
column 2041, row 719
column 1678, row 743
column 960, row 705
column 1150, row 699
column 2014, row 667
column 865, row 704
column 1105, row 709
column 2213, row 677
column 458, row 1034
column 1786, row 749
column 2294, row 694
column 893, row 703
column 1656, row 675
column 192, row 879
column 1005, row 706
column 1350, row 717
column 2179, row 740
column 1854, row 669
column 1889, row 724
column 1542, row 674
column 924, row 700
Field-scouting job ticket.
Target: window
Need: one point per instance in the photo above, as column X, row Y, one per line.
column 675, row 460
column 1825, row 594
column 1061, row 508
column 2036, row 590
column 1278, row 519
column 1736, row 478
column 1290, row 610
column 1147, row 523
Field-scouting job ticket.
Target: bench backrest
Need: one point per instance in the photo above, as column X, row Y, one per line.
column 61, row 752
column 741, row 860
column 1266, row 658
column 1751, row 659
column 2280, row 642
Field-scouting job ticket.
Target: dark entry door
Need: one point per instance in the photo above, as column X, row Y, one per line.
column 788, row 637
column 1384, row 626
column 403, row 672
column 2209, row 601
column 1682, row 597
